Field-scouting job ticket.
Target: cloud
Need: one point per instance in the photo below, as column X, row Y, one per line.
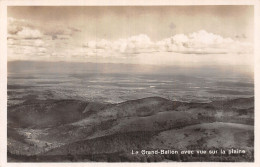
column 29, row 41
column 28, row 33
column 12, row 29
column 196, row 48
column 16, row 25
column 56, row 31
column 22, row 29
column 135, row 44
column 200, row 42
column 60, row 31
column 19, row 28
column 20, row 52
column 25, row 41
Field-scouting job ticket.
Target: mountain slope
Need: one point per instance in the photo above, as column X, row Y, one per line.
column 57, row 127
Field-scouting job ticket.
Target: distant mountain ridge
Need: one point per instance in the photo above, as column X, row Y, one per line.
column 77, row 110
column 29, row 67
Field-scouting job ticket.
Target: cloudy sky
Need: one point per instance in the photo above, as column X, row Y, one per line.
column 161, row 35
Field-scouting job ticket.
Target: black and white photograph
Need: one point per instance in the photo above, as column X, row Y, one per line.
column 130, row 83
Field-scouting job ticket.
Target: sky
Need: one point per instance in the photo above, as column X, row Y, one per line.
column 158, row 35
